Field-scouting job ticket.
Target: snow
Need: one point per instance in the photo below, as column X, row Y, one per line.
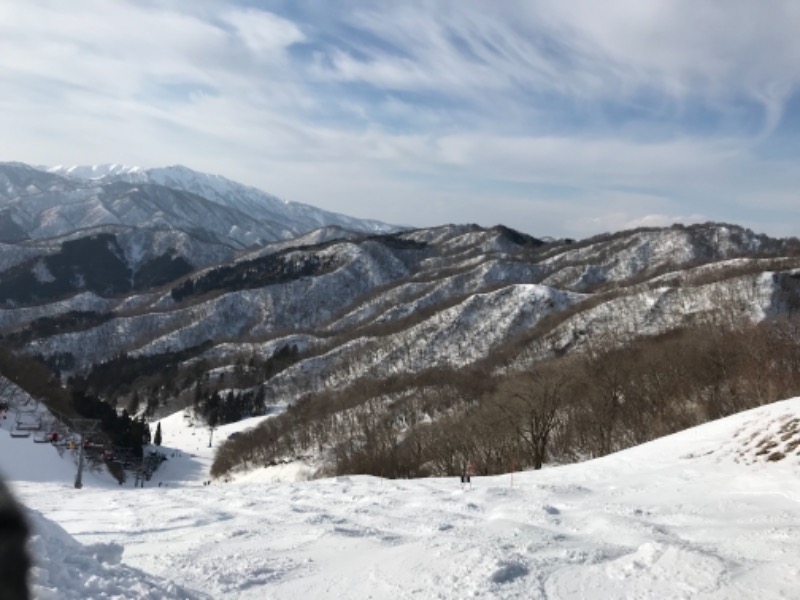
column 65, row 569
column 700, row 514
column 93, row 171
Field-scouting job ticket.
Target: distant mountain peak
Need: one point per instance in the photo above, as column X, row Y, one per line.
column 41, row 202
column 288, row 219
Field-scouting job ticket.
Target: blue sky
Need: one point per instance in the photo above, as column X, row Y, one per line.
column 564, row 118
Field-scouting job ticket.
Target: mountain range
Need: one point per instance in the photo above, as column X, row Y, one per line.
column 180, row 279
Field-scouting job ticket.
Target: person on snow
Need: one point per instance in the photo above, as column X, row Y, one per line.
column 466, row 476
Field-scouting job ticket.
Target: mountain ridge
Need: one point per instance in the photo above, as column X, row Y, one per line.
column 341, row 287
column 296, row 218
column 37, row 204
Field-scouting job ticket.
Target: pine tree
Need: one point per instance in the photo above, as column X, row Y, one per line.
column 146, row 436
column 133, row 405
column 157, row 438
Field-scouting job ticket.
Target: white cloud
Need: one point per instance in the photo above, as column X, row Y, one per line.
column 659, row 220
column 264, row 33
column 582, row 48
column 573, row 115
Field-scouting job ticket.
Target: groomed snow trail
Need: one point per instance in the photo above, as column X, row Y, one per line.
column 676, row 518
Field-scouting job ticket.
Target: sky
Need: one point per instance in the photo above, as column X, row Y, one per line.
column 562, row 119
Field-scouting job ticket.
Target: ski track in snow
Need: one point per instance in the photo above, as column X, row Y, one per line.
column 676, row 518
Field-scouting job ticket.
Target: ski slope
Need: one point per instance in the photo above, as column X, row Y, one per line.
column 711, row 512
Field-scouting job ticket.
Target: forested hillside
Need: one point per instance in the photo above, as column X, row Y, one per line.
column 415, row 352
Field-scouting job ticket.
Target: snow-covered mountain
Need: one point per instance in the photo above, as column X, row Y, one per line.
column 382, row 305
column 287, row 219
column 38, row 204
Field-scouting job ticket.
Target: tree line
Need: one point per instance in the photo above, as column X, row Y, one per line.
column 605, row 398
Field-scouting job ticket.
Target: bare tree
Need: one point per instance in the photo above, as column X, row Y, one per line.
column 534, row 405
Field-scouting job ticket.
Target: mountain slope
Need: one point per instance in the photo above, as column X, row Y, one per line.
column 37, row 204
column 445, row 296
column 109, row 261
column 285, row 219
column 42, row 205
column 698, row 514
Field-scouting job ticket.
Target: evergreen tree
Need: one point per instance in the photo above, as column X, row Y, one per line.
column 146, row 436
column 157, row 438
column 133, row 405
column 152, row 404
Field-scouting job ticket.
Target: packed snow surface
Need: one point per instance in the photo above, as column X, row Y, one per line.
column 712, row 512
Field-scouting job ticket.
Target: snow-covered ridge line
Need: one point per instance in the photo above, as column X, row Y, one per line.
column 93, row 171
column 43, row 203
column 383, row 284
column 297, row 218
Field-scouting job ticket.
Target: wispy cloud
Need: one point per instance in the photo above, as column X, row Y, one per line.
column 556, row 117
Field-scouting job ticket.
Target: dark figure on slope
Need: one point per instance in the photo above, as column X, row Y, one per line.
column 14, row 561
column 466, row 477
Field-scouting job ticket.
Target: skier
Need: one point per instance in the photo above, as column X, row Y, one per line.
column 466, row 476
